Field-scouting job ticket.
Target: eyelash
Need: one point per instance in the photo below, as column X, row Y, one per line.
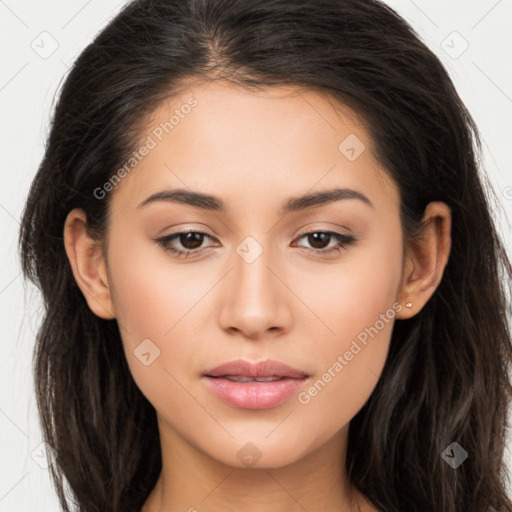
column 343, row 240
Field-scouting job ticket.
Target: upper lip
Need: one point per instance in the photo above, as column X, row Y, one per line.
column 268, row 368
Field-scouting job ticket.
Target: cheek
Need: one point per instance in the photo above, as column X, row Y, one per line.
column 152, row 300
column 357, row 305
column 350, row 295
column 151, row 293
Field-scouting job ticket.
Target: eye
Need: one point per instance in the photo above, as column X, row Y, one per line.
column 320, row 241
column 190, row 242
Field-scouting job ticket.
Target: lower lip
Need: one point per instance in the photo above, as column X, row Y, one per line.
column 253, row 395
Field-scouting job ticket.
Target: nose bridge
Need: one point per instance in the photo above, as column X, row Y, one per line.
column 254, row 299
column 251, row 269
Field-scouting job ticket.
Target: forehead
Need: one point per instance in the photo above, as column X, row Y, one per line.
column 265, row 143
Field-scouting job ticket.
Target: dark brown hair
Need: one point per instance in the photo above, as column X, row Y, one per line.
column 446, row 377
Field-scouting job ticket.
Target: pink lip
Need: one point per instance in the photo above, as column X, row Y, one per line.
column 254, row 395
column 268, row 368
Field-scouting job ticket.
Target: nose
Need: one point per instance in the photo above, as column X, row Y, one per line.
column 255, row 297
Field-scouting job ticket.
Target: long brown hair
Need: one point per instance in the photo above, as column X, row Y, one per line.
column 446, row 377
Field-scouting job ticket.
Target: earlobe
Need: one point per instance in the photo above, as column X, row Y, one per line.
column 88, row 264
column 426, row 260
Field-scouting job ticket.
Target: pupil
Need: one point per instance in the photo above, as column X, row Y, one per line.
column 191, row 240
column 315, row 237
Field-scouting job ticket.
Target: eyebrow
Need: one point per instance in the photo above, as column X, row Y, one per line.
column 215, row 204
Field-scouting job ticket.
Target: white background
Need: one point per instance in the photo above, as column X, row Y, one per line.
column 28, row 82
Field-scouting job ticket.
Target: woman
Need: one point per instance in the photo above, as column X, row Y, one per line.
column 271, row 275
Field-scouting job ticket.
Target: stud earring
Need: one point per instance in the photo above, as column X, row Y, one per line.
column 408, row 304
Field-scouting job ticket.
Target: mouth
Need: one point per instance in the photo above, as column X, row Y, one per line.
column 245, row 378
column 247, row 385
column 267, row 369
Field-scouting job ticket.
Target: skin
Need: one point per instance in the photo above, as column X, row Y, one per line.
column 255, row 151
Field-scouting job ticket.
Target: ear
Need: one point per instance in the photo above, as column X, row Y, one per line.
column 88, row 264
column 426, row 259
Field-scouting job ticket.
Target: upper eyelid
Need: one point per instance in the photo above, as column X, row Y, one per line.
column 296, row 237
column 311, row 230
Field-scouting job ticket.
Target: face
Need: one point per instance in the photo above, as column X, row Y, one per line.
column 310, row 283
